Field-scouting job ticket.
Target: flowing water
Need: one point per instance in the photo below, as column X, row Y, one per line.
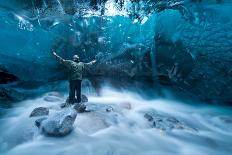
column 130, row 134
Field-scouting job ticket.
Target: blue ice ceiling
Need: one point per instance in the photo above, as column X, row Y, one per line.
column 28, row 43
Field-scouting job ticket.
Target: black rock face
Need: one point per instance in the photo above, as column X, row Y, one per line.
column 8, row 94
column 6, row 77
column 39, row 121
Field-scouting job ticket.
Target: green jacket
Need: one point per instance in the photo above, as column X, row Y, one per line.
column 75, row 70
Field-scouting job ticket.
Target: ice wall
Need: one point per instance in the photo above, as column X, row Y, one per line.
column 116, row 41
column 187, row 44
column 200, row 50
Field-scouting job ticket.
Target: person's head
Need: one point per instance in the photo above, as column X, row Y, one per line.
column 76, row 58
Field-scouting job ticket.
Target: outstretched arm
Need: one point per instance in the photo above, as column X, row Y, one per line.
column 90, row 63
column 58, row 58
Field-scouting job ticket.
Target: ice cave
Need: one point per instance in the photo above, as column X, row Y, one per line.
column 116, row 77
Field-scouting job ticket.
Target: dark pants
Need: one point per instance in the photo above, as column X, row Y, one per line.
column 75, row 91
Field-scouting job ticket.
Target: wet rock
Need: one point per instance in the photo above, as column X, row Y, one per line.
column 148, row 117
column 39, row 121
column 63, row 105
column 84, row 98
column 40, row 111
column 109, row 109
column 53, row 97
column 103, row 108
column 166, row 122
column 80, row 108
column 5, row 76
column 83, row 107
column 100, row 116
column 60, row 123
column 93, row 121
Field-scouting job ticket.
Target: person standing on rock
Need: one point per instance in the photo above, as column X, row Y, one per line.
column 75, row 68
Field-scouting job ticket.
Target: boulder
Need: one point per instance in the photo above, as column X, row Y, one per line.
column 39, row 121
column 63, row 105
column 5, row 76
column 98, row 117
column 91, row 107
column 80, row 108
column 53, row 97
column 40, row 111
column 103, row 108
column 166, row 122
column 60, row 123
column 84, row 98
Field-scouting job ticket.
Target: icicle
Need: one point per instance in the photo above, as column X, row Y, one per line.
column 60, row 5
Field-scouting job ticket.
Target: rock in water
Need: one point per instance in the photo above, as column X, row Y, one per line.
column 53, row 97
column 60, row 123
column 40, row 111
column 80, row 108
column 39, row 121
column 5, row 76
column 166, row 122
column 84, row 98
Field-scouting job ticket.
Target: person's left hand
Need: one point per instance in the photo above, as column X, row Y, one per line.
column 94, row 61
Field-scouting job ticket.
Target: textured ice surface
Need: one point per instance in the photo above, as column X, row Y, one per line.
column 185, row 43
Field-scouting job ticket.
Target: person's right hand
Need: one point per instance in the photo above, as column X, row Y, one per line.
column 94, row 61
column 54, row 53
